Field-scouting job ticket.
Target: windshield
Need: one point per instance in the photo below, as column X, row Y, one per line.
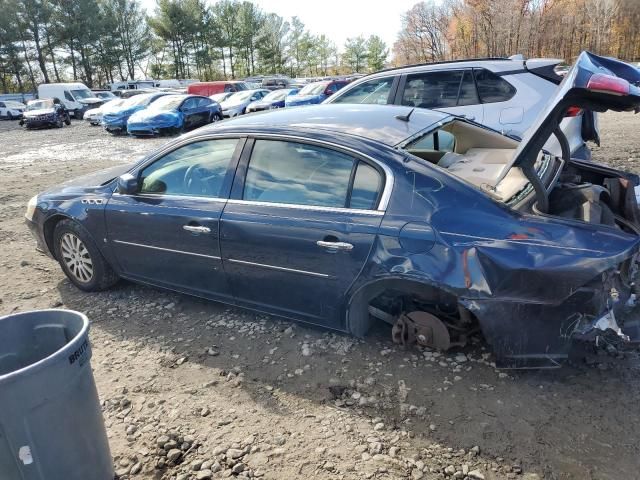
column 168, row 102
column 276, row 96
column 105, row 95
column 313, row 89
column 38, row 104
column 82, row 94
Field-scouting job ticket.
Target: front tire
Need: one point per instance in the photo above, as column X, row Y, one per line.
column 80, row 259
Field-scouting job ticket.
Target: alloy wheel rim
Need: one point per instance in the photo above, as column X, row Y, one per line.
column 76, row 257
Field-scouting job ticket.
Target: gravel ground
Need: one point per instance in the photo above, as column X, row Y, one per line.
column 197, row 390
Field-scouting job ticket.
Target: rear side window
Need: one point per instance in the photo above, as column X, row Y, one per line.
column 367, row 184
column 297, row 173
column 374, row 91
column 493, row 88
column 203, row 102
column 440, row 89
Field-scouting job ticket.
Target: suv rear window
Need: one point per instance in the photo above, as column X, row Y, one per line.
column 491, row 87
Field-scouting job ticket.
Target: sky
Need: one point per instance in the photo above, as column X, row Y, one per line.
column 339, row 19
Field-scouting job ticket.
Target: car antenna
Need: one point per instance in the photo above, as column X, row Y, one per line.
column 405, row 118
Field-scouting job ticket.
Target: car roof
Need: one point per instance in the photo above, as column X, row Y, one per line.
column 375, row 122
column 495, row 64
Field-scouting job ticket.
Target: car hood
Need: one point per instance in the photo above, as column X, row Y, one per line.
column 595, row 83
column 121, row 112
column 40, row 111
column 236, row 104
column 91, row 101
column 87, row 183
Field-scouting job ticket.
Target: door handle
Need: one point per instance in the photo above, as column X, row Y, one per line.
column 335, row 245
column 196, row 229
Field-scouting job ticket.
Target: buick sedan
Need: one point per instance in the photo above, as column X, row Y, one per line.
column 343, row 215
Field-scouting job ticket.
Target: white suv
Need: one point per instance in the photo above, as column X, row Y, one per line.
column 11, row 110
column 506, row 94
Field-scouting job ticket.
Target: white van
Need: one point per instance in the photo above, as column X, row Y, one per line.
column 132, row 85
column 76, row 97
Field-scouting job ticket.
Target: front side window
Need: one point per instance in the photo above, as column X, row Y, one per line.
column 68, row 96
column 374, row 91
column 189, row 103
column 197, row 169
column 492, row 88
column 297, row 173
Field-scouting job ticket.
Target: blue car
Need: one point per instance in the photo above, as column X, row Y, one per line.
column 315, row 93
column 343, row 215
column 275, row 99
column 116, row 116
column 174, row 113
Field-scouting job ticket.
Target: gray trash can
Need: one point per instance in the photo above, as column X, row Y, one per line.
column 51, row 425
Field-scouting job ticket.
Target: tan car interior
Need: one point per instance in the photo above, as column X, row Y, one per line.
column 478, row 156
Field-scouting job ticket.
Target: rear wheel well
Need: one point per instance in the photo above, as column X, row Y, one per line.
column 48, row 228
column 394, row 297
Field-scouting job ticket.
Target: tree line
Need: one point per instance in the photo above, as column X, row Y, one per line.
column 553, row 28
column 102, row 41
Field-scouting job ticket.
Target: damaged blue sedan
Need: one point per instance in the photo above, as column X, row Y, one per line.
column 346, row 215
column 174, row 113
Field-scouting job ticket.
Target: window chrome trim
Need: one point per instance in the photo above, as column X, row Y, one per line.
column 383, row 203
column 374, row 213
column 161, row 196
column 389, row 180
column 280, row 269
column 122, row 242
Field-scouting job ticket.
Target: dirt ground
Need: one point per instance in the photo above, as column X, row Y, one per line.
column 197, row 390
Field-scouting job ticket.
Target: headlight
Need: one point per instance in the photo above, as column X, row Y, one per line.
column 31, row 208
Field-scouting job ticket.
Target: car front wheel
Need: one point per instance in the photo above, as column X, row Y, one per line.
column 80, row 259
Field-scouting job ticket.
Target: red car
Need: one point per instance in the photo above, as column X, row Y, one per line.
column 210, row 88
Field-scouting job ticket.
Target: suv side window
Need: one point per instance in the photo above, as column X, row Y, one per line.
column 374, row 91
column 197, row 169
column 434, row 89
column 297, row 173
column 448, row 88
column 491, row 87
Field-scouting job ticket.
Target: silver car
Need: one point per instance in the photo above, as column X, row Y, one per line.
column 506, row 94
column 237, row 103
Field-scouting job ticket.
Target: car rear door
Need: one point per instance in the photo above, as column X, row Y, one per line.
column 167, row 232
column 451, row 91
column 296, row 232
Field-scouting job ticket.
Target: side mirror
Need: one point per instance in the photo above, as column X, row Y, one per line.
column 127, row 184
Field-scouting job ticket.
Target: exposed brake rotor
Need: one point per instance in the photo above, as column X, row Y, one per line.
column 422, row 328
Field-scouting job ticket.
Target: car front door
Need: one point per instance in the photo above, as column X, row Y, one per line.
column 166, row 233
column 451, row 91
column 202, row 111
column 299, row 227
column 190, row 111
